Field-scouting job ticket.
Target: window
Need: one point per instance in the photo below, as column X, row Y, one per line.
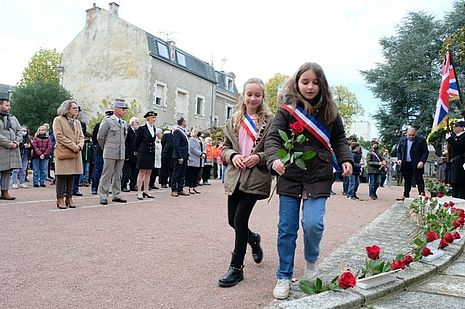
column 181, row 58
column 160, row 94
column 230, row 84
column 229, row 112
column 162, row 50
column 200, row 106
column 181, row 101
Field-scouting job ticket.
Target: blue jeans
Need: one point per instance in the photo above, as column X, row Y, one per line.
column 40, row 169
column 374, row 180
column 85, row 172
column 353, row 185
column 313, row 212
column 97, row 171
column 20, row 173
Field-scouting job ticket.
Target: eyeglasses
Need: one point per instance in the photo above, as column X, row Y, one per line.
column 74, row 107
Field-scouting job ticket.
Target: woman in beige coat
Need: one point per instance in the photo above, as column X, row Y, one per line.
column 68, row 161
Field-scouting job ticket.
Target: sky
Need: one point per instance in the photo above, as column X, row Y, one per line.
column 249, row 38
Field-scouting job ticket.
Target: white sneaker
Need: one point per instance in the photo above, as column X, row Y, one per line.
column 281, row 290
column 23, row 185
column 310, row 274
column 15, row 186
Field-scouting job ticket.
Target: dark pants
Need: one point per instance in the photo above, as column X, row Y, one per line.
column 130, row 173
column 192, row 178
column 240, row 206
column 165, row 171
column 215, row 170
column 153, row 176
column 206, row 173
column 98, row 168
column 179, row 175
column 412, row 175
column 77, row 177
column 64, row 185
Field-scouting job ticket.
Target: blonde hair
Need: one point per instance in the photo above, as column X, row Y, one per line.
column 195, row 131
column 262, row 110
column 291, row 94
column 40, row 128
column 64, row 107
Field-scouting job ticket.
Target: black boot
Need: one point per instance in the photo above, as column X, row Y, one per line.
column 234, row 274
column 257, row 252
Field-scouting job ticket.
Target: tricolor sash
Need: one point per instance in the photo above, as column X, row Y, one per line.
column 315, row 128
column 250, row 127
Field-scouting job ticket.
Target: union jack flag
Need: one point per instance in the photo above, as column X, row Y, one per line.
column 448, row 91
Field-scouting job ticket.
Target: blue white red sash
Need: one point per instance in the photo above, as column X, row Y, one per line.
column 315, row 128
column 183, row 131
column 250, row 127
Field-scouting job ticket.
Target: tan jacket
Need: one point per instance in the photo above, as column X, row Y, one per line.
column 256, row 180
column 72, row 139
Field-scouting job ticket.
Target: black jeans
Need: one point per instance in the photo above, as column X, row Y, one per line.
column 192, row 176
column 165, row 171
column 64, row 185
column 412, row 173
column 178, row 177
column 240, row 206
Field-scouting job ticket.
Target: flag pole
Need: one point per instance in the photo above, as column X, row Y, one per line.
column 457, row 80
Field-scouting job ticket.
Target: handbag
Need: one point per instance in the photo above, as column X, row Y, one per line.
column 64, row 153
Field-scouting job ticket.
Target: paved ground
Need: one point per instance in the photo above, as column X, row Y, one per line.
column 162, row 253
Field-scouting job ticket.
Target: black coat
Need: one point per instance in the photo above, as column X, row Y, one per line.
column 145, row 145
column 167, row 146
column 131, row 151
column 418, row 151
column 457, row 158
column 180, row 145
column 318, row 178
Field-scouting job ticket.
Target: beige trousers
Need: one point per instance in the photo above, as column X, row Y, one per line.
column 111, row 173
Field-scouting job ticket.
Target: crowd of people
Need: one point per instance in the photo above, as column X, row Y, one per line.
column 122, row 157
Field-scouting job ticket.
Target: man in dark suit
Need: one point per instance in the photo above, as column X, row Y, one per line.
column 129, row 168
column 412, row 153
column 180, row 156
column 166, row 158
column 457, row 160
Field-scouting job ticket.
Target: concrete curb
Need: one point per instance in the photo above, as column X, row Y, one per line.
column 392, row 231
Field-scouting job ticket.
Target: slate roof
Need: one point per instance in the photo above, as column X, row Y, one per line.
column 221, row 83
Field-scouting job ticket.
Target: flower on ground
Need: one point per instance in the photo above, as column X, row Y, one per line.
column 440, row 194
column 457, row 235
column 407, row 260
column 449, row 237
column 431, row 235
column 347, row 280
column 373, row 252
column 398, row 264
column 426, row 251
column 443, row 244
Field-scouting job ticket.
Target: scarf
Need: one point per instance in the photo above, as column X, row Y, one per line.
column 6, row 120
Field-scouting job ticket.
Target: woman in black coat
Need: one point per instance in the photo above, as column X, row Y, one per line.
column 145, row 146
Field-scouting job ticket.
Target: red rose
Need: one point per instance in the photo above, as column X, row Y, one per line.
column 422, row 193
column 440, row 194
column 346, row 280
column 297, row 127
column 458, row 211
column 457, row 235
column 407, row 260
column 399, row 264
column 456, row 224
column 449, row 237
column 446, row 204
column 430, row 236
column 451, row 203
column 426, row 251
column 426, row 198
column 373, row 252
column 443, row 244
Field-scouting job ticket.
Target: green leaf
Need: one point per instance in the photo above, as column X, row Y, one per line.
column 301, row 138
column 297, row 154
column 300, row 163
column 283, row 135
column 308, row 155
column 288, row 145
column 286, row 158
column 307, row 287
column 318, row 284
column 418, row 242
column 281, row 153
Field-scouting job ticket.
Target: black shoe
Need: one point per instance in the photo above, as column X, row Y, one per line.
column 77, row 193
column 133, row 189
column 257, row 252
column 36, row 186
column 118, row 200
column 164, row 186
column 125, row 190
column 356, row 197
column 146, row 195
column 42, row 185
column 232, row 277
column 94, row 192
column 205, row 183
column 103, row 201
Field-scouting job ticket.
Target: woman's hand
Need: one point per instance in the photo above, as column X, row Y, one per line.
column 251, row 161
column 278, row 166
column 238, row 161
column 346, row 169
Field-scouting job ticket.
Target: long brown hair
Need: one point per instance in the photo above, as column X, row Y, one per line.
column 262, row 110
column 291, row 94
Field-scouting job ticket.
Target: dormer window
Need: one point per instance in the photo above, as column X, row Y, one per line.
column 181, row 59
column 163, row 50
column 229, row 84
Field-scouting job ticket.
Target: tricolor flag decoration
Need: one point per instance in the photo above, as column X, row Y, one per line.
column 448, row 91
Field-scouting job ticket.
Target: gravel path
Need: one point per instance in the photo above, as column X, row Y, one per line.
column 161, row 253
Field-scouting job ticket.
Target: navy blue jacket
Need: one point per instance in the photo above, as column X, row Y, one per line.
column 418, row 151
column 180, row 145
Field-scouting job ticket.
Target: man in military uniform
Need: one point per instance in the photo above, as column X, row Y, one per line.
column 457, row 159
column 111, row 137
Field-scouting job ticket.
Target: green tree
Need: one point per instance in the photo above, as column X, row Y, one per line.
column 35, row 104
column 43, row 66
column 347, row 104
column 133, row 110
column 407, row 82
column 272, row 88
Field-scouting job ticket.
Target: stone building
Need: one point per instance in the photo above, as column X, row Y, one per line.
column 111, row 58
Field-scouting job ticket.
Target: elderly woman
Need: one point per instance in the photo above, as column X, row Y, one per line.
column 145, row 147
column 196, row 160
column 68, row 161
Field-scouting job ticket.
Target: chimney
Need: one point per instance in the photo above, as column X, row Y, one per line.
column 172, row 48
column 114, row 8
column 90, row 14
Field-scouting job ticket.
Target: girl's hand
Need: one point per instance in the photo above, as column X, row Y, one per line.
column 346, row 169
column 252, row 161
column 238, row 161
column 278, row 166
